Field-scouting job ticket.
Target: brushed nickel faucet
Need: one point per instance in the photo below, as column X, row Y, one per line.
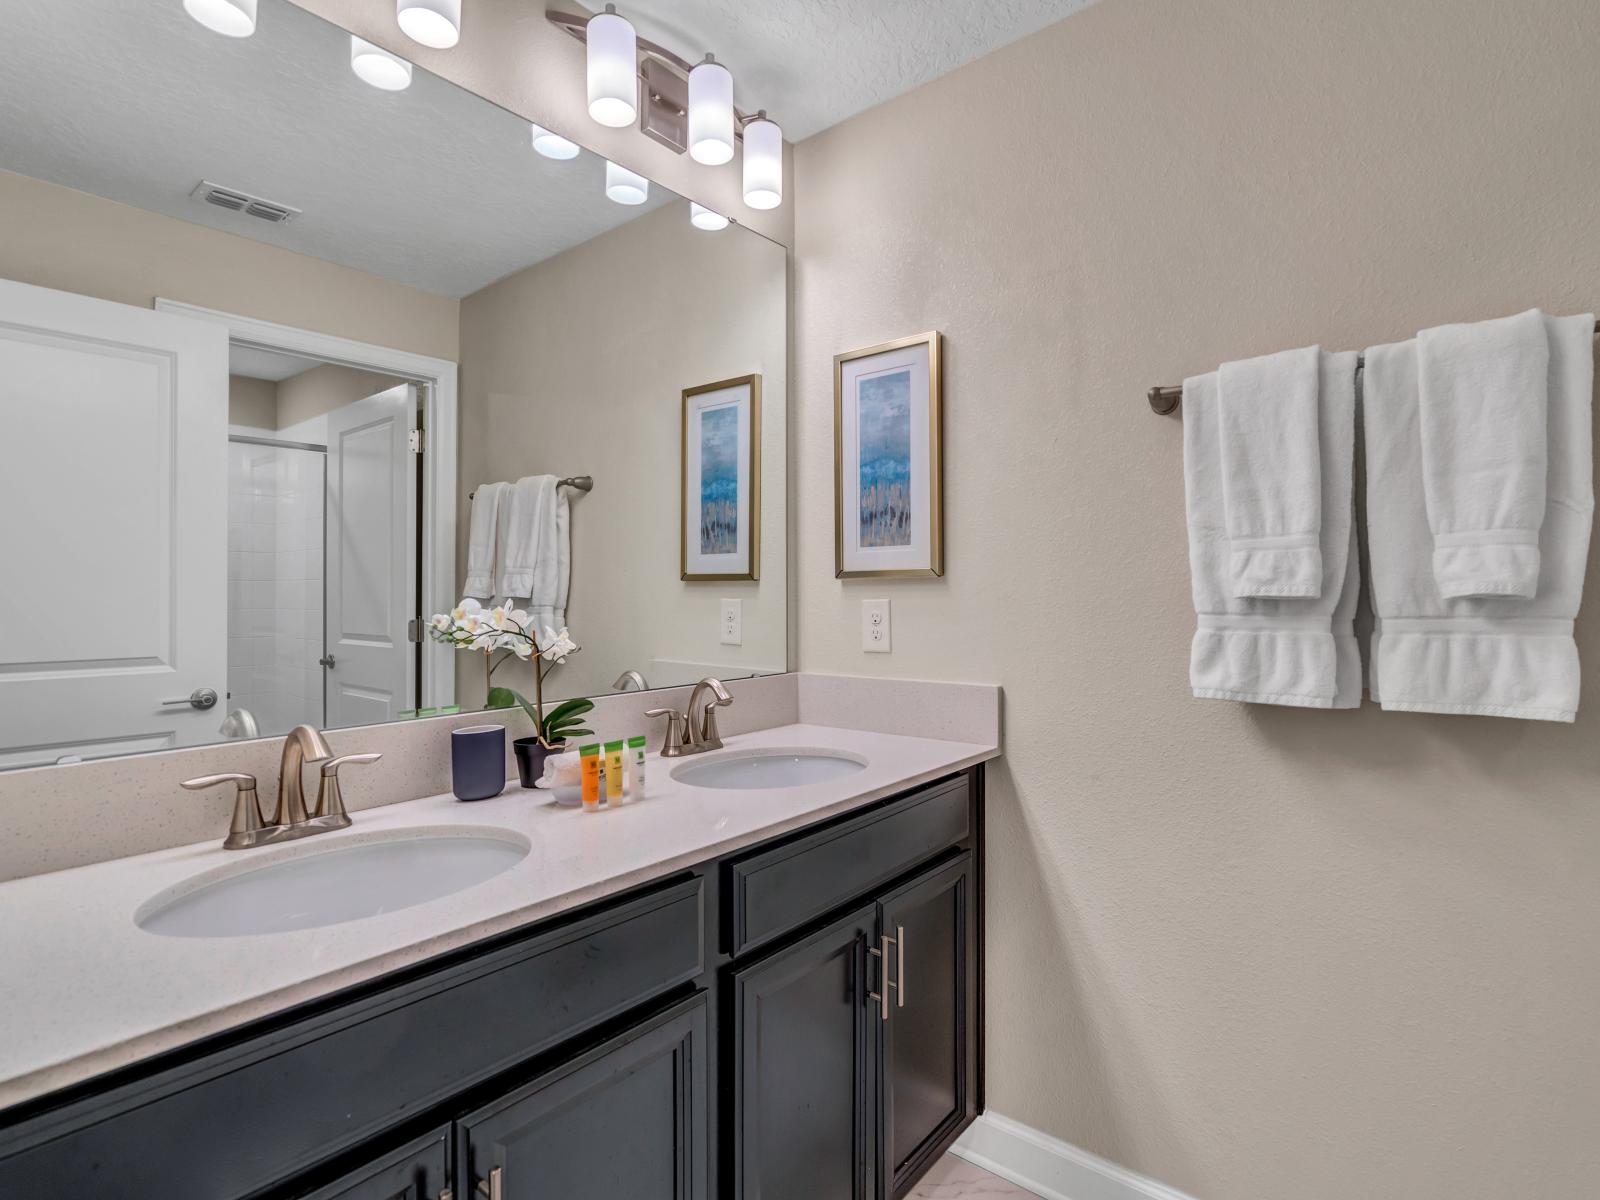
column 693, row 739
column 290, row 820
column 630, row 677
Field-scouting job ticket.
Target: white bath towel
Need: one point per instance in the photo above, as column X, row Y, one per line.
column 1295, row 651
column 481, row 580
column 528, row 515
column 1492, row 655
column 1482, row 400
column 547, row 602
column 1272, row 473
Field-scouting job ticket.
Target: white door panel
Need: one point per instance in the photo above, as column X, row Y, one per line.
column 371, row 558
column 113, row 553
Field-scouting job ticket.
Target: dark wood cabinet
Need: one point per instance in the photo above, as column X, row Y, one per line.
column 805, row 1068
column 929, row 1041
column 419, row 1170
column 629, row 1118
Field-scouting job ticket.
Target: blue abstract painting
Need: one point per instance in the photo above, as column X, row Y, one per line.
column 719, row 480
column 883, row 415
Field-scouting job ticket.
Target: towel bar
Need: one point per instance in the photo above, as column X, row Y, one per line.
column 1164, row 401
column 584, row 483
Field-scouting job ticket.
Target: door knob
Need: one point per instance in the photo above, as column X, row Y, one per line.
column 199, row 698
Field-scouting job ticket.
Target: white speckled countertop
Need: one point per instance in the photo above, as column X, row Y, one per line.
column 85, row 990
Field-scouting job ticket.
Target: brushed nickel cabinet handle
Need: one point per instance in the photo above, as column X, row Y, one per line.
column 900, row 969
column 881, row 953
column 493, row 1188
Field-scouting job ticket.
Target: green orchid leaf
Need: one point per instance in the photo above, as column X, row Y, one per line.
column 568, row 709
column 500, row 697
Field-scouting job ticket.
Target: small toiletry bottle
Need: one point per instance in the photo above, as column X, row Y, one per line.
column 614, row 772
column 636, row 767
column 590, row 756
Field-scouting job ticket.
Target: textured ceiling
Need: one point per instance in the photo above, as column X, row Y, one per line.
column 433, row 186
column 813, row 63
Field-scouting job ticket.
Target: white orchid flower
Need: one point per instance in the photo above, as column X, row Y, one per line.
column 441, row 621
column 556, row 646
column 466, row 608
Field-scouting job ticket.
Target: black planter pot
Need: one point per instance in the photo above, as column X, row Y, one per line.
column 530, row 758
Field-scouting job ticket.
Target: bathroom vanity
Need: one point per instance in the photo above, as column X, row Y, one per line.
column 796, row 1012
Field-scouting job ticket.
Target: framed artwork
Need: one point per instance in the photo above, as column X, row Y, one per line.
column 888, row 461
column 721, row 472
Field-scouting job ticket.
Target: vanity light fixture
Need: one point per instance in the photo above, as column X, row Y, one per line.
column 710, row 113
column 375, row 65
column 705, row 218
column 623, row 186
column 613, row 61
column 230, row 18
column 763, row 163
column 434, row 23
column 552, row 145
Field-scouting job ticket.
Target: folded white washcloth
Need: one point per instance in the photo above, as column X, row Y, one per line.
column 481, row 535
column 1271, row 650
column 529, row 512
column 1272, row 473
column 1482, row 397
column 1503, row 656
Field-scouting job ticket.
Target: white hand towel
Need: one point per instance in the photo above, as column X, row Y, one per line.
column 1492, row 655
column 1272, row 473
column 547, row 602
column 1296, row 651
column 482, row 532
column 1483, row 403
column 522, row 527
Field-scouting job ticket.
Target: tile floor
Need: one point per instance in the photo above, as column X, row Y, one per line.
column 955, row 1178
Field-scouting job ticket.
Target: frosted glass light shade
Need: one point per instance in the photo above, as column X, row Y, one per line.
column 763, row 164
column 230, row 18
column 613, row 70
column 434, row 23
column 710, row 114
column 702, row 217
column 552, row 145
column 377, row 66
column 623, row 186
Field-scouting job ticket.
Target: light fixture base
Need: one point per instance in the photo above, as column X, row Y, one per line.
column 664, row 111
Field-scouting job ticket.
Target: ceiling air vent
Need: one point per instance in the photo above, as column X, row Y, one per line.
column 234, row 200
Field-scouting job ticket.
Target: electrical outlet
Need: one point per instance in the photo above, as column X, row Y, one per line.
column 733, row 622
column 875, row 627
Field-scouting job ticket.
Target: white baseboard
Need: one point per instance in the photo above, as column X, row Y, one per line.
column 1054, row 1169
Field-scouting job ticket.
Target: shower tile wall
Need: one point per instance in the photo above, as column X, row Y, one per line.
column 275, row 532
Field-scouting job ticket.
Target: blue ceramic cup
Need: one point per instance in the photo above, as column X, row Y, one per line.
column 478, row 761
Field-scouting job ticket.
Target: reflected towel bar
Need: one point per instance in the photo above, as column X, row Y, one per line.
column 1164, row 401
column 584, row 483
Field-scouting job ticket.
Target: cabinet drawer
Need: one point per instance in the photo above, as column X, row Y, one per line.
column 774, row 891
column 236, row 1119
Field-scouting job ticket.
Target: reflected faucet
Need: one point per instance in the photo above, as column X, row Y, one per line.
column 632, row 677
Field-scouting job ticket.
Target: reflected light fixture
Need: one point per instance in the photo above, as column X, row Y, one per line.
column 230, row 18
column 702, row 217
column 552, row 145
column 377, row 66
column 434, row 23
column 763, row 163
column 710, row 113
column 623, row 186
column 613, row 61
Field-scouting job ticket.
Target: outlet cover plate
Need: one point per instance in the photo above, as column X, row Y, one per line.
column 875, row 627
column 731, row 626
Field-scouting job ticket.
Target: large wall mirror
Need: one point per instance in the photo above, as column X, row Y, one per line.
column 274, row 341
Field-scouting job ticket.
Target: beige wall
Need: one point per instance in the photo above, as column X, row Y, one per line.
column 511, row 55
column 317, row 392
column 1258, row 953
column 252, row 402
column 575, row 366
column 56, row 237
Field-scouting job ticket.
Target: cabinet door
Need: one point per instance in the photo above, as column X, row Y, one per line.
column 628, row 1119
column 929, row 1040
column 417, row 1171
column 805, row 1069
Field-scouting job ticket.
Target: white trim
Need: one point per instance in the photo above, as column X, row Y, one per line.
column 1053, row 1169
column 439, row 463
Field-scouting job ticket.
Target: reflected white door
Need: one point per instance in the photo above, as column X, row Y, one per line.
column 113, row 526
column 371, row 559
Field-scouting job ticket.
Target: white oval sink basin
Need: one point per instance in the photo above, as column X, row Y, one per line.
column 310, row 887
column 754, row 770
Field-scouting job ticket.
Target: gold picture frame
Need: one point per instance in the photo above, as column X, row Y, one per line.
column 931, row 562
column 751, row 516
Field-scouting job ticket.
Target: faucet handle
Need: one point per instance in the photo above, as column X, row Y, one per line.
column 672, row 746
column 246, row 823
column 330, row 798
